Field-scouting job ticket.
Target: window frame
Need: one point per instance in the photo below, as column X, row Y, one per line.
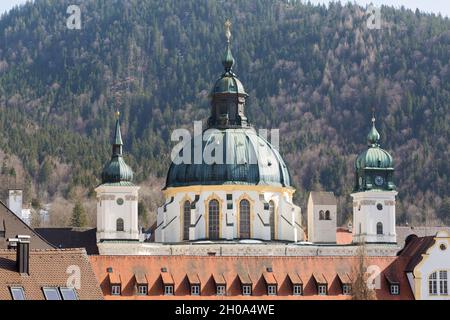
column 186, row 219
column 272, row 219
column 213, row 215
column 142, row 292
column 272, row 290
column 380, row 228
column 170, row 292
column 346, row 289
column 62, row 289
column 245, row 219
column 54, row 289
column 223, row 290
column 322, row 292
column 195, row 289
column 394, row 289
column 122, row 225
column 297, row 290
column 443, row 283
column 115, row 292
column 22, row 291
column 246, row 290
column 433, row 284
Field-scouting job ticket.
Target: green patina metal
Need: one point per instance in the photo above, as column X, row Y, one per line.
column 375, row 166
column 244, row 158
column 117, row 172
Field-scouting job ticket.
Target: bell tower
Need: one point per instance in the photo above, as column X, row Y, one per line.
column 117, row 197
column 374, row 194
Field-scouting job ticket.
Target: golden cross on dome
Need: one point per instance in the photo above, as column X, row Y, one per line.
column 228, row 30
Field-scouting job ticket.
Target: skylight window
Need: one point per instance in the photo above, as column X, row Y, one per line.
column 51, row 294
column 17, row 293
column 68, row 293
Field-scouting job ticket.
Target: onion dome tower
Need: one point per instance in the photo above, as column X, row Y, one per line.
column 117, row 197
column 230, row 183
column 374, row 194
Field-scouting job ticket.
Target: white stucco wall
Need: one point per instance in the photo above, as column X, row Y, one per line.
column 108, row 211
column 321, row 231
column 287, row 215
column 366, row 216
column 435, row 259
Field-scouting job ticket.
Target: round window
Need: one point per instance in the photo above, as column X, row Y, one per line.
column 443, row 247
column 379, row 206
column 120, row 201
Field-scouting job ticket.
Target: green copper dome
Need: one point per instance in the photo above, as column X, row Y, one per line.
column 374, row 157
column 116, row 171
column 375, row 166
column 247, row 159
column 240, row 155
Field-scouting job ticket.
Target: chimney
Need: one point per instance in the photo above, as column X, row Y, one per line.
column 23, row 254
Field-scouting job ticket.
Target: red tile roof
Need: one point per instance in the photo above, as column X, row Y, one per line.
column 343, row 236
column 48, row 268
column 238, row 270
column 414, row 248
column 269, row 278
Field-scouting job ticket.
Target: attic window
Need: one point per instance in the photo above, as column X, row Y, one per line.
column 220, row 290
column 394, row 289
column 195, row 290
column 271, row 290
column 17, row 293
column 68, row 293
column 115, row 290
column 51, row 294
column 168, row 290
column 297, row 290
column 346, row 289
column 246, row 290
column 142, row 290
column 322, row 289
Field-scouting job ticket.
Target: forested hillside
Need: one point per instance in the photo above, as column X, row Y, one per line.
column 311, row 71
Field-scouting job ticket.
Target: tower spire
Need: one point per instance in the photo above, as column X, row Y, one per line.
column 228, row 60
column 117, row 142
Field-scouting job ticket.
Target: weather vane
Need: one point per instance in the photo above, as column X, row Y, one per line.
column 228, row 30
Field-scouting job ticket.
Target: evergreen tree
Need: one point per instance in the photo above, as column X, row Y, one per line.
column 79, row 218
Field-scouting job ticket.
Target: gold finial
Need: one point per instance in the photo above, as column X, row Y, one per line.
column 117, row 114
column 228, row 30
column 373, row 115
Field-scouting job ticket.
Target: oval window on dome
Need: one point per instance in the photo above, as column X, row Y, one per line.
column 380, row 206
column 120, row 201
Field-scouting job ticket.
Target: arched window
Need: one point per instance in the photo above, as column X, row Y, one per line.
column 213, row 220
column 379, row 228
column 119, row 225
column 186, row 219
column 432, row 283
column 321, row 215
column 244, row 219
column 272, row 220
column 327, row 215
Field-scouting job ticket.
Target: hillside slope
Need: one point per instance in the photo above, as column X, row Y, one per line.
column 313, row 72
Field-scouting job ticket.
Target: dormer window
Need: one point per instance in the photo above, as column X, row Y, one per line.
column 246, row 290
column 394, row 289
column 297, row 290
column 115, row 290
column 142, row 290
column 195, row 290
column 168, row 290
column 220, row 290
column 322, row 289
column 346, row 289
column 271, row 290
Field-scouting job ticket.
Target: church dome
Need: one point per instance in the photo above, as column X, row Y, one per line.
column 374, row 157
column 247, row 159
column 116, row 171
column 240, row 156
